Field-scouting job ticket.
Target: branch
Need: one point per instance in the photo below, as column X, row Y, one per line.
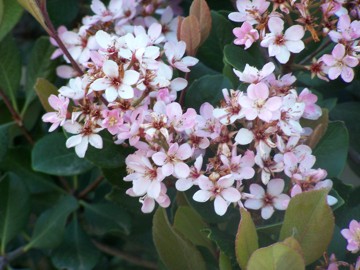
column 17, row 118
column 128, row 257
column 183, row 92
column 7, row 258
column 92, row 186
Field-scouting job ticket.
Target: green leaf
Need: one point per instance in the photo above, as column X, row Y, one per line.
column 349, row 112
column 62, row 11
column 110, row 156
column 14, row 208
column 49, row 228
column 4, row 138
column 51, row 156
column 175, row 252
column 310, row 221
column 331, row 152
column 44, row 89
column 18, row 161
column 246, row 239
column 76, row 252
column 224, row 262
column 105, row 218
column 237, row 57
column 211, row 52
column 276, row 257
column 10, row 68
column 190, row 224
column 224, row 241
column 40, row 65
column 206, row 89
column 10, row 13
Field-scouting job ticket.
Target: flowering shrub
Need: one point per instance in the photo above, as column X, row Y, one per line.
column 227, row 125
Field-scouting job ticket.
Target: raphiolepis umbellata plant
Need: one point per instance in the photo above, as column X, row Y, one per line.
column 179, row 134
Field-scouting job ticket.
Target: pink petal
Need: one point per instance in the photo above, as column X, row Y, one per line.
column 226, row 181
column 202, row 195
column 206, row 184
column 98, row 7
column 231, row 194
column 183, row 184
column 148, row 205
column 167, row 169
column 276, row 25
column 159, row 158
column 257, row 190
column 281, row 202
column 347, row 74
column 111, row 69
column 267, row 212
column 182, row 170
column 220, row 205
column 294, row 33
column 253, row 204
column 334, row 72
column 154, row 189
column 184, row 152
column 275, row 186
column 131, row 77
column 338, row 52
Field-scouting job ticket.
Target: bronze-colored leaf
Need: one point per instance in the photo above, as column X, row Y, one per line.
column 201, row 10
column 319, row 128
column 44, row 89
column 178, row 30
column 190, row 33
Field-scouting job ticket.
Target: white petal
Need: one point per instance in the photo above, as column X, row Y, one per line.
column 244, row 136
column 183, row 184
column 111, row 69
column 267, row 212
column 253, row 204
column 220, row 205
column 81, row 148
column 275, row 186
column 96, row 141
column 131, row 77
column 231, row 194
column 73, row 141
column 202, row 195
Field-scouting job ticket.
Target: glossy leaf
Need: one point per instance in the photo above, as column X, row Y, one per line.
column 246, row 239
column 276, row 257
column 224, row 262
column 105, row 218
column 201, row 11
column 18, row 161
column 44, row 89
column 76, row 252
column 237, row 57
column 10, row 68
column 310, row 221
column 224, row 241
column 112, row 155
column 190, row 224
column 10, row 13
column 49, row 228
column 331, row 152
column 63, row 12
column 40, row 65
column 349, row 112
column 206, row 89
column 190, row 34
column 51, row 156
column 14, row 208
column 211, row 52
column 4, row 138
column 175, row 251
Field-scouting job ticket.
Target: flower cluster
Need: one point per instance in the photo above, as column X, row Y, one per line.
column 336, row 25
column 250, row 151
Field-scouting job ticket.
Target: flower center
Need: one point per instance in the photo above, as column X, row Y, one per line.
column 280, row 40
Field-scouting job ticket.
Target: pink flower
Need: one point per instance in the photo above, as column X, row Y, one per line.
column 253, row 75
column 268, row 165
column 340, row 63
column 267, row 201
column 74, row 90
column 245, row 35
column 83, row 136
column 346, row 30
column 146, row 177
column 177, row 119
column 112, row 121
column 249, row 11
column 195, row 175
column 60, row 104
column 352, row 235
column 172, row 162
column 174, row 52
column 221, row 190
column 168, row 22
column 231, row 110
column 241, row 167
column 280, row 45
column 258, row 104
column 116, row 83
column 311, row 111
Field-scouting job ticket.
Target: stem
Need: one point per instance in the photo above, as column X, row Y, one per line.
column 7, row 258
column 183, row 92
column 128, row 257
column 92, row 186
column 53, row 33
column 17, row 118
column 309, row 57
column 143, row 96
